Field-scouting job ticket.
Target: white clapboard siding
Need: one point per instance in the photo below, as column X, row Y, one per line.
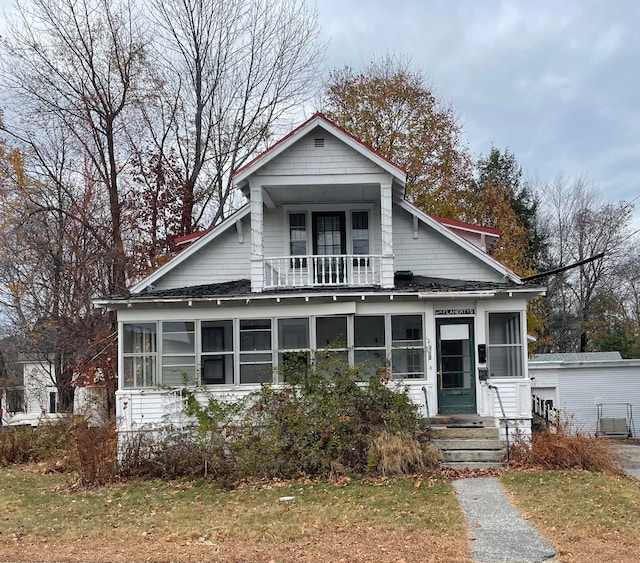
column 580, row 386
column 305, row 158
column 431, row 254
column 224, row 259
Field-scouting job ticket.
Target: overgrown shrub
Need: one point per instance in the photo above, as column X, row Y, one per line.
column 23, row 444
column 559, row 448
column 69, row 445
column 95, row 453
column 325, row 421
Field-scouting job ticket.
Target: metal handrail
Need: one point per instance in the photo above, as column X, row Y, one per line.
column 426, row 404
column 504, row 418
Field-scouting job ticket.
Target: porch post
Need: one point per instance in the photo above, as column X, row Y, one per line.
column 257, row 230
column 386, row 222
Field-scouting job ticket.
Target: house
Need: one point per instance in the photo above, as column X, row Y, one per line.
column 326, row 255
column 597, row 393
column 35, row 399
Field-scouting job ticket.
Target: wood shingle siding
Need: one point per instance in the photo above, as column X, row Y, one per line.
column 430, row 254
column 222, row 261
column 333, row 158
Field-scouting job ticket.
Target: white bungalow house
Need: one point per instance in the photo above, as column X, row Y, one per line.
column 327, row 252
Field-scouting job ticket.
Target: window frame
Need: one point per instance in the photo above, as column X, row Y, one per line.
column 513, row 361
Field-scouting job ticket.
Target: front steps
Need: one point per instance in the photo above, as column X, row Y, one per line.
column 469, row 442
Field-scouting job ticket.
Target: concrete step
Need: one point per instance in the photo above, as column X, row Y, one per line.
column 445, row 433
column 472, row 455
column 473, row 464
column 469, row 444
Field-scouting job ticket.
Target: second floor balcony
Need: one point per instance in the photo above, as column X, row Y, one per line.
column 321, row 270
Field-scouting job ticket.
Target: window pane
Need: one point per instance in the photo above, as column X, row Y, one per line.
column 178, row 343
column 331, row 331
column 178, row 326
column 505, row 361
column 255, row 324
column 293, row 334
column 298, row 233
column 179, row 375
column 504, row 328
column 406, row 330
column 255, row 373
column 217, row 336
column 368, row 332
column 408, row 363
column 139, row 338
column 368, row 362
column 217, row 370
column 255, row 340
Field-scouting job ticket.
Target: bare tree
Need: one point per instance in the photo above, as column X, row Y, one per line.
column 80, row 66
column 234, row 69
column 579, row 226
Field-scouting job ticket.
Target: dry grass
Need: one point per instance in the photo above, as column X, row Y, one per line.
column 401, row 454
column 586, row 516
column 560, row 449
column 379, row 520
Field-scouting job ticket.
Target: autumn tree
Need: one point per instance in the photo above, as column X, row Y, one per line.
column 503, row 201
column 393, row 109
column 233, row 70
column 580, row 227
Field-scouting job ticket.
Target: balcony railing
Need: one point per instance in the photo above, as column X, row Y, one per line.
column 322, row 270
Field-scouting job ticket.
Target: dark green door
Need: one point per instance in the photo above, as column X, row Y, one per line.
column 456, row 369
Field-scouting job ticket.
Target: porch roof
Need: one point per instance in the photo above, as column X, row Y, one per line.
column 241, row 289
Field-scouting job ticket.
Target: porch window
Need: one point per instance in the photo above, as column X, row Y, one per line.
column 217, row 352
column 178, row 353
column 139, row 354
column 256, row 358
column 298, row 239
column 331, row 338
column 407, row 346
column 505, row 350
column 369, row 352
column 293, row 345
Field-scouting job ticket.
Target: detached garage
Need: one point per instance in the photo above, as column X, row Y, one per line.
column 598, row 393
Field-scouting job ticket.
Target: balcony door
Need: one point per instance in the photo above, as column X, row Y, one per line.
column 329, row 239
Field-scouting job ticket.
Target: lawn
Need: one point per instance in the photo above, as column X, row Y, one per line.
column 585, row 516
column 407, row 520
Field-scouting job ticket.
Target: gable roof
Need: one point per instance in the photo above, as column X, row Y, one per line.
column 241, row 175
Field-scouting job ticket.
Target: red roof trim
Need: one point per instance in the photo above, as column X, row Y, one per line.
column 468, row 226
column 302, row 126
column 192, row 236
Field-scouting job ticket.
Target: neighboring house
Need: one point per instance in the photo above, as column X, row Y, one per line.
column 326, row 254
column 36, row 399
column 587, row 388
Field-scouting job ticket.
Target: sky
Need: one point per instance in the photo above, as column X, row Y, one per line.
column 557, row 82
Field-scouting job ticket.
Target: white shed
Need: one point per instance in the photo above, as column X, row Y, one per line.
column 593, row 391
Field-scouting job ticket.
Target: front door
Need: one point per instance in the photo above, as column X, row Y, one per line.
column 329, row 239
column 456, row 369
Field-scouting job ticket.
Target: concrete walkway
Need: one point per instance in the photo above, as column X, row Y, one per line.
column 501, row 534
column 628, row 455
